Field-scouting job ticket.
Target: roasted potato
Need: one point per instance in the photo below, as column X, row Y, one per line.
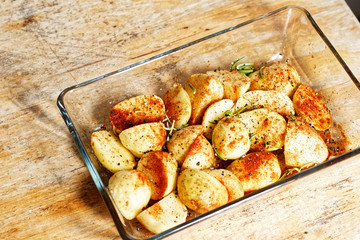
column 310, row 107
column 180, row 142
column 281, row 77
column 256, row 170
column 272, row 100
column 110, row 152
column 165, row 214
column 203, row 90
column 266, row 129
column 214, row 113
column 199, row 191
column 137, row 110
column 131, row 191
column 303, row 145
column 235, row 83
column 177, row 105
column 200, row 154
column 230, row 138
column 144, row 138
column 161, row 169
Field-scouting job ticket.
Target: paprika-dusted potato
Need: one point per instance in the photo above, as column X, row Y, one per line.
column 281, row 77
column 161, row 169
column 137, row 110
column 203, row 90
column 310, row 107
column 267, row 129
column 144, row 138
column 200, row 191
column 272, row 100
column 256, row 170
column 214, row 113
column 165, row 214
column 131, row 191
column 180, row 142
column 200, row 154
column 235, row 83
column 231, row 138
column 110, row 152
column 303, row 145
column 230, row 181
column 177, row 105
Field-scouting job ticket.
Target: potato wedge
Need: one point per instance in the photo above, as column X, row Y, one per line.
column 180, row 142
column 177, row 105
column 203, row 90
column 303, row 145
column 256, row 170
column 200, row 154
column 110, row 152
column 213, row 114
column 230, row 138
column 235, row 83
column 165, row 214
column 272, row 100
column 281, row 77
column 137, row 110
column 144, row 138
column 266, row 129
column 131, row 191
column 230, row 181
column 310, row 107
column 201, row 192
column 161, row 169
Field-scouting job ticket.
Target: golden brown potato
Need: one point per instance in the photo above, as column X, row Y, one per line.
column 272, row 100
column 231, row 138
column 161, row 169
column 281, row 77
column 235, row 83
column 266, row 129
column 309, row 105
column 177, row 105
column 303, row 145
column 131, row 191
column 165, row 214
column 144, row 138
column 110, row 152
column 256, row 170
column 200, row 154
column 203, row 90
column 180, row 142
column 200, row 192
column 137, row 110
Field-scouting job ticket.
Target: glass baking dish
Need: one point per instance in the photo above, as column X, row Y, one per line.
column 287, row 34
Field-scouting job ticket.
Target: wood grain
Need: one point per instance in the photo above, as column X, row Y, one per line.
column 46, row 191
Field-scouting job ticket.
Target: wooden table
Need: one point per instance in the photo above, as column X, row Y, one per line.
column 46, row 191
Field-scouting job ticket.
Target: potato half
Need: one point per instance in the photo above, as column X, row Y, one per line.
column 137, row 110
column 200, row 191
column 110, row 152
column 200, row 154
column 144, row 138
column 131, row 191
column 256, row 170
column 161, row 170
column 165, row 214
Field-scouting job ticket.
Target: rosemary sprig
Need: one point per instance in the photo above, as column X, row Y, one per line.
column 289, row 171
column 294, row 119
column 213, row 145
column 193, row 88
column 235, row 62
column 267, row 145
column 260, row 72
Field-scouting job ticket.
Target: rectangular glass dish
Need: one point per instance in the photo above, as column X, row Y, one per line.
column 287, row 34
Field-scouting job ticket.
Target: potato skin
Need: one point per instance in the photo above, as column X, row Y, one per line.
column 161, row 170
column 144, row 138
column 137, row 110
column 200, row 154
column 131, row 192
column 201, row 192
column 310, row 107
column 256, row 170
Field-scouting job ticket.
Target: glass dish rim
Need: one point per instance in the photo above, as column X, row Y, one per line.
column 96, row 177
